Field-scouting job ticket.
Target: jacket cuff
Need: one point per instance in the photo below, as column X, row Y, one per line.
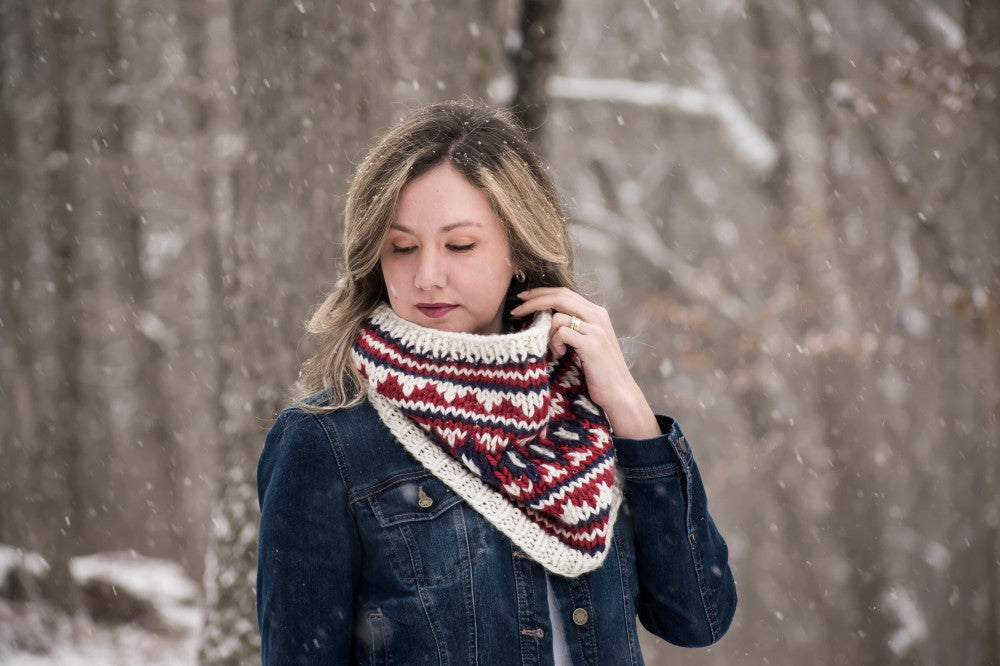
column 669, row 448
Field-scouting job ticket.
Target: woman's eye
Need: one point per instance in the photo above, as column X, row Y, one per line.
column 461, row 248
column 396, row 249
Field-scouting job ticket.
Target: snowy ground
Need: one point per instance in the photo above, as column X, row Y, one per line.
column 138, row 610
column 105, row 645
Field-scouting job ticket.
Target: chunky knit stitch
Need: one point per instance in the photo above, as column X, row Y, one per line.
column 509, row 429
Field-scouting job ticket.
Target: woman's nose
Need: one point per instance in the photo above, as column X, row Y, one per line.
column 430, row 271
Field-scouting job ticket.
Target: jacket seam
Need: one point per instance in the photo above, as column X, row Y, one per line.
column 394, row 480
column 656, row 472
column 333, row 442
column 699, row 569
column 623, row 585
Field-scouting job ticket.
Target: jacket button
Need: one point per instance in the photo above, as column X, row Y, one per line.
column 424, row 500
column 580, row 617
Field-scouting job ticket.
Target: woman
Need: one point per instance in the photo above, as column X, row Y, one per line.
column 471, row 475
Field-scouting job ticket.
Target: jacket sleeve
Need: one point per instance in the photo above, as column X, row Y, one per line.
column 687, row 595
column 308, row 548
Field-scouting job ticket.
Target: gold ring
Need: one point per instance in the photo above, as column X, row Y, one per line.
column 574, row 323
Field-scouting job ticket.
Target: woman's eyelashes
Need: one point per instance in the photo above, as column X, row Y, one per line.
column 407, row 249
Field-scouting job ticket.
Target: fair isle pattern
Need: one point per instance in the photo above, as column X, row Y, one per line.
column 510, row 431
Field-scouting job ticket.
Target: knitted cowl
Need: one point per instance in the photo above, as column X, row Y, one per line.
column 508, row 428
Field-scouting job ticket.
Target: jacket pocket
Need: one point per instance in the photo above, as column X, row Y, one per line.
column 410, row 500
column 430, row 533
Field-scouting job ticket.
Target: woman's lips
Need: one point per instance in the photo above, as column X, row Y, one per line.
column 435, row 310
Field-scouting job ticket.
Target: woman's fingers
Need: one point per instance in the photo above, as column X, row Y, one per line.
column 559, row 299
column 568, row 336
column 565, row 331
column 568, row 309
column 571, row 321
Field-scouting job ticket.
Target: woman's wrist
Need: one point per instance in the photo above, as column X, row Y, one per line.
column 632, row 418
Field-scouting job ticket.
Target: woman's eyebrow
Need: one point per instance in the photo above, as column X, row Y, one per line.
column 456, row 225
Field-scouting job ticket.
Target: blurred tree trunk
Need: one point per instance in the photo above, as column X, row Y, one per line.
column 20, row 424
column 838, row 382
column 982, row 24
column 534, row 60
column 229, row 634
column 59, row 460
column 209, row 42
column 149, row 412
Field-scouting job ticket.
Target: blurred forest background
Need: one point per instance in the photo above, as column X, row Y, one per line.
column 791, row 208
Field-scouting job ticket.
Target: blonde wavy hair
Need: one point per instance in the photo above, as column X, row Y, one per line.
column 490, row 149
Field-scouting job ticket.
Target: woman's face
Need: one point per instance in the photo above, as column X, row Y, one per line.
column 446, row 261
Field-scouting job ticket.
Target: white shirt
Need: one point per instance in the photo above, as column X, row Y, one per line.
column 560, row 648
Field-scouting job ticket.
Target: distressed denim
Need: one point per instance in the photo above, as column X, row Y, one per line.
column 365, row 558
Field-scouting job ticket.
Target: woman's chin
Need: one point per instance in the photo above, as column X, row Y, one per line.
column 453, row 322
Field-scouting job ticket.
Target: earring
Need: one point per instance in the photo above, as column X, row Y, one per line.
column 521, row 277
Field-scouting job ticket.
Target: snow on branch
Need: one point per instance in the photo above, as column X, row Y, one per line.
column 746, row 140
column 948, row 30
column 927, row 23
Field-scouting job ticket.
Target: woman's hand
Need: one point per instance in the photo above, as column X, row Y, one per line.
column 587, row 328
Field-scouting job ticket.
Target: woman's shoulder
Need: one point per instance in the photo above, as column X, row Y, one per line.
column 306, row 434
column 352, row 439
column 316, row 417
column 305, row 417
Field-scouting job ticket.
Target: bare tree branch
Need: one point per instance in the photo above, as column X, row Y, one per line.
column 637, row 231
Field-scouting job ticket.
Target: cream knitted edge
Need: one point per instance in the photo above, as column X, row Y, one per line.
column 502, row 347
column 544, row 548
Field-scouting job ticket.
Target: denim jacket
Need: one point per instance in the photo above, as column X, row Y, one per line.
column 365, row 558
